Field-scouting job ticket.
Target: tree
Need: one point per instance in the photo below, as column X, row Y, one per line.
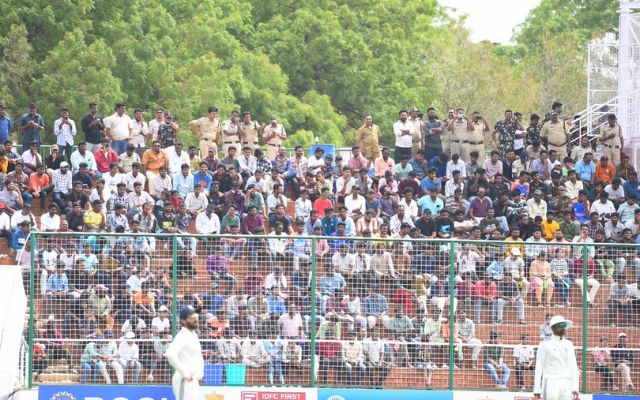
column 15, row 68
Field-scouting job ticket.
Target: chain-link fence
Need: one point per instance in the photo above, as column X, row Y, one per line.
column 330, row 311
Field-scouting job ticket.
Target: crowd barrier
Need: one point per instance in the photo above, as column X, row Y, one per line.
column 358, row 312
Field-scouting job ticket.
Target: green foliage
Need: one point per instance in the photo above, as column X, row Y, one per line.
column 320, row 65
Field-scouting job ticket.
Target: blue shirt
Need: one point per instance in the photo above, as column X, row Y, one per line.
column 631, row 189
column 585, row 171
column 417, row 168
column 202, row 180
column 375, row 306
column 19, row 239
column 183, row 184
column 31, row 134
column 57, row 283
column 329, row 225
column 274, row 350
column 276, row 305
column 441, row 167
column 426, row 202
column 5, row 128
column 329, row 283
column 428, row 184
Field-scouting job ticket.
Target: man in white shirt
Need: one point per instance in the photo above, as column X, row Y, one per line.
column 604, row 207
column 139, row 132
column 557, row 374
column 207, row 222
column 355, row 203
column 185, row 356
column 135, row 176
column 160, row 325
column 537, row 206
column 573, row 185
column 523, row 357
column 50, row 222
column 128, row 356
column 119, row 128
column 65, row 129
column 137, row 199
column 196, row 202
column 81, row 155
column 315, row 163
column 161, row 183
column 456, row 164
column 111, row 181
column 247, row 163
column 403, row 131
column 176, row 158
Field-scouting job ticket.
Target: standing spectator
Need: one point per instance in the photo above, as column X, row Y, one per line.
column 494, row 361
column 367, row 139
column 152, row 160
column 523, row 358
column 5, row 125
column 485, row 293
column 140, row 133
column 119, row 128
column 30, row 125
column 65, row 129
column 92, row 126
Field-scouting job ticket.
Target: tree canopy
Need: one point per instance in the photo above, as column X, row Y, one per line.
column 320, row 65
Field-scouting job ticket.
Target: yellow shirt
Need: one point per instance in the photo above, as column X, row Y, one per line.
column 93, row 219
column 550, row 229
column 513, row 245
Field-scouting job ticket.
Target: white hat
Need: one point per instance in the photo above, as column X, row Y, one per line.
column 515, row 251
column 130, row 335
column 163, row 308
column 622, row 334
column 64, row 164
column 556, row 319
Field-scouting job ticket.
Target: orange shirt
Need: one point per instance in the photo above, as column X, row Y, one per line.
column 140, row 297
column 38, row 182
column 605, row 174
column 152, row 161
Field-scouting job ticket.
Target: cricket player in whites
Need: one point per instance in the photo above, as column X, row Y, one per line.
column 557, row 376
column 185, row 356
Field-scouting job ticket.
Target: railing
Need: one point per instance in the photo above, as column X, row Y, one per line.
column 592, row 119
column 335, row 331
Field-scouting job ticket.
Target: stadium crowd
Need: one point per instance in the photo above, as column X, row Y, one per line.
column 381, row 299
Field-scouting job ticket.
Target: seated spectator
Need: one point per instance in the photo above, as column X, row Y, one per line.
column 494, row 361
column 601, row 356
column 619, row 302
column 541, row 280
column 375, row 307
column 623, row 360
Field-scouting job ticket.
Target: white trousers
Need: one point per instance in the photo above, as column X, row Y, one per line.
column 184, row 390
column 557, row 389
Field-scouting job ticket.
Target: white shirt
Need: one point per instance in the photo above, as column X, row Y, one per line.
column 176, row 160
column 140, row 130
column 395, row 222
column 206, row 224
column 340, row 183
column 247, row 164
column 118, row 126
column 459, row 166
column 185, row 354
column 66, row 133
column 556, row 359
column 410, row 210
column 153, row 128
column 278, row 243
column 314, row 162
column 573, row 189
column 161, row 326
column 49, row 223
column 129, row 179
column 196, row 204
column 111, row 183
column 77, row 158
column 161, row 184
column 615, row 194
column 355, row 204
column 128, row 352
column 523, row 354
column 602, row 209
column 467, row 263
column 450, row 187
column 406, row 140
column 5, row 222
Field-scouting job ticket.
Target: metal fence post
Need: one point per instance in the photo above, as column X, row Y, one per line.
column 174, row 283
column 312, row 324
column 452, row 299
column 32, row 307
column 585, row 314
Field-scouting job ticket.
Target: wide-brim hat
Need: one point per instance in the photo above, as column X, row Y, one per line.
column 557, row 319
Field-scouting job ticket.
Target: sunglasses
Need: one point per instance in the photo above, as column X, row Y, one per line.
column 561, row 325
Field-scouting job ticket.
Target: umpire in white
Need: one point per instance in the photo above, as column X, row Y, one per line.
column 185, row 356
column 557, row 376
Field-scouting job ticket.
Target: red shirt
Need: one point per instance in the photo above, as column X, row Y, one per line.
column 38, row 182
column 484, row 289
column 329, row 349
column 104, row 160
column 320, row 204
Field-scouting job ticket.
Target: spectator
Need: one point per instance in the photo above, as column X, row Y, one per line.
column 494, row 361
column 601, row 356
column 128, row 353
column 622, row 360
column 524, row 359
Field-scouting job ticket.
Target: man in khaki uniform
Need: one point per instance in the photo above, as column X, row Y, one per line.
column 367, row 138
column 274, row 136
column 611, row 139
column 249, row 131
column 231, row 133
column 555, row 135
column 476, row 139
column 416, row 140
column 460, row 129
column 447, row 137
column 208, row 130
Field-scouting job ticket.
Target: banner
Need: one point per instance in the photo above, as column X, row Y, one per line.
column 104, row 392
column 501, row 395
column 357, row 394
column 255, row 393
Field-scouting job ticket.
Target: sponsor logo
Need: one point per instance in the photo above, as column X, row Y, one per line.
column 63, row 396
column 273, row 395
